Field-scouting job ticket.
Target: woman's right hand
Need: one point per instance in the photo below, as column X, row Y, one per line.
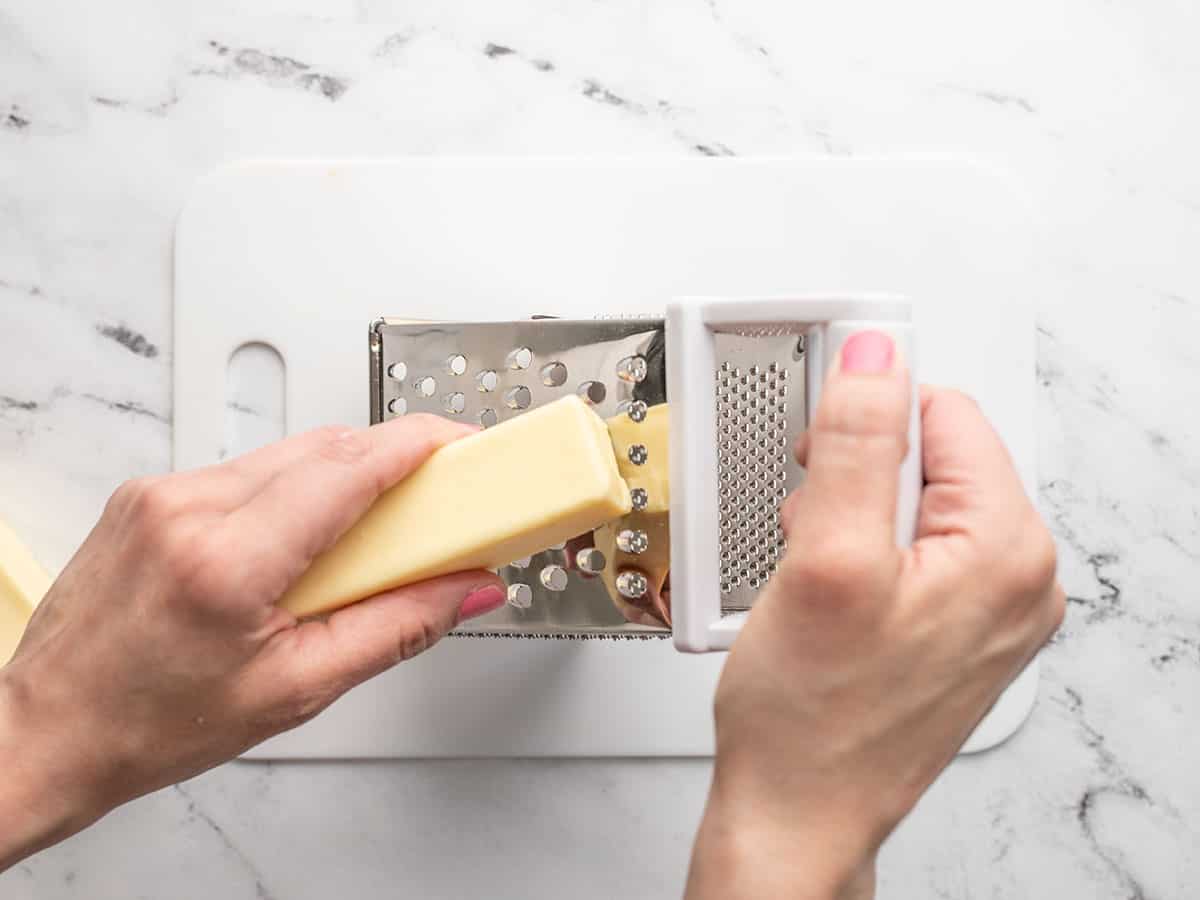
column 864, row 667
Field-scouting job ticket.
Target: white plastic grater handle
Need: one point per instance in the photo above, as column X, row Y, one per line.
column 826, row 321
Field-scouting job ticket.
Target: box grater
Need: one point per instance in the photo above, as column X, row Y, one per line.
column 739, row 377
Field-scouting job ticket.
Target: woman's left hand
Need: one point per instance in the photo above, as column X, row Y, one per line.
column 160, row 652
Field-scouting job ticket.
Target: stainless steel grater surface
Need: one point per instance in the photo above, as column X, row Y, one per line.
column 760, row 397
column 486, row 372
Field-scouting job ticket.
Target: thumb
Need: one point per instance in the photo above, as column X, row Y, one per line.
column 358, row 642
column 854, row 446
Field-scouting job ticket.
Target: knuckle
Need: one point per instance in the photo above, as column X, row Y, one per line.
column 835, row 568
column 1045, row 558
column 848, row 445
column 345, row 446
column 155, row 502
column 301, row 704
column 132, row 498
column 308, row 704
column 189, row 561
column 160, row 505
column 154, row 511
column 416, row 641
column 869, row 414
column 789, row 509
column 1033, row 568
column 876, row 408
column 413, row 641
column 1057, row 611
column 123, row 497
column 181, row 545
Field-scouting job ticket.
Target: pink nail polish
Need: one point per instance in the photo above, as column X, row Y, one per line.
column 868, row 353
column 480, row 602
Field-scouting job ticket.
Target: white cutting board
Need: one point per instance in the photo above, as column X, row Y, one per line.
column 303, row 255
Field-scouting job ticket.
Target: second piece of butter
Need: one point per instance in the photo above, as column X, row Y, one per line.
column 652, row 434
column 22, row 585
column 652, row 475
column 478, row 503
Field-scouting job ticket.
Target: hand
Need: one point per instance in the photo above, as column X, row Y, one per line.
column 159, row 652
column 864, row 667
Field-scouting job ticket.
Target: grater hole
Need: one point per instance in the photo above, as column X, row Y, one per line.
column 486, row 381
column 520, row 596
column 633, row 541
column 554, row 374
column 590, row 560
column 398, row 371
column 456, row 364
column 488, row 418
column 522, row 563
column 632, row 369
column 397, row 406
column 517, row 397
column 553, row 578
column 593, row 392
column 454, row 403
column 632, row 584
column 521, row 358
column 426, row 386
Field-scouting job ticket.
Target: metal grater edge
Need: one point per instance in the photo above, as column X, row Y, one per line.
column 563, row 636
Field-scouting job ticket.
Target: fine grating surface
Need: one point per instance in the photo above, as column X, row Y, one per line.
column 760, row 414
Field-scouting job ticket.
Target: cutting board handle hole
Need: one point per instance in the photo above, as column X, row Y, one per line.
column 255, row 398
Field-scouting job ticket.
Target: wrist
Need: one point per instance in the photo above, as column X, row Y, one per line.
column 747, row 848
column 44, row 795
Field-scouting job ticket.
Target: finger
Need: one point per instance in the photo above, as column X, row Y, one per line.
column 967, row 468
column 304, row 508
column 801, row 449
column 232, row 483
column 360, row 641
column 257, row 467
column 855, row 444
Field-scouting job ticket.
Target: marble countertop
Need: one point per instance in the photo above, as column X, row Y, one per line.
column 110, row 111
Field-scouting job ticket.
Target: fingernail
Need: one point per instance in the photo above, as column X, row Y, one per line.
column 868, row 353
column 480, row 602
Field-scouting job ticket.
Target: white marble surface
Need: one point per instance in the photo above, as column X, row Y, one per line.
column 110, row 111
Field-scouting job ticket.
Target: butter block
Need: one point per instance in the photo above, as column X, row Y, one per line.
column 652, row 433
column 654, row 562
column 23, row 583
column 510, row 491
column 653, row 476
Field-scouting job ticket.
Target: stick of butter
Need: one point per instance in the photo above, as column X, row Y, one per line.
column 23, row 583
column 510, row 491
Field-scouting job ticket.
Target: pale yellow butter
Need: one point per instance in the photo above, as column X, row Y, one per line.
column 510, row 491
column 652, row 476
column 23, row 583
column 653, row 434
